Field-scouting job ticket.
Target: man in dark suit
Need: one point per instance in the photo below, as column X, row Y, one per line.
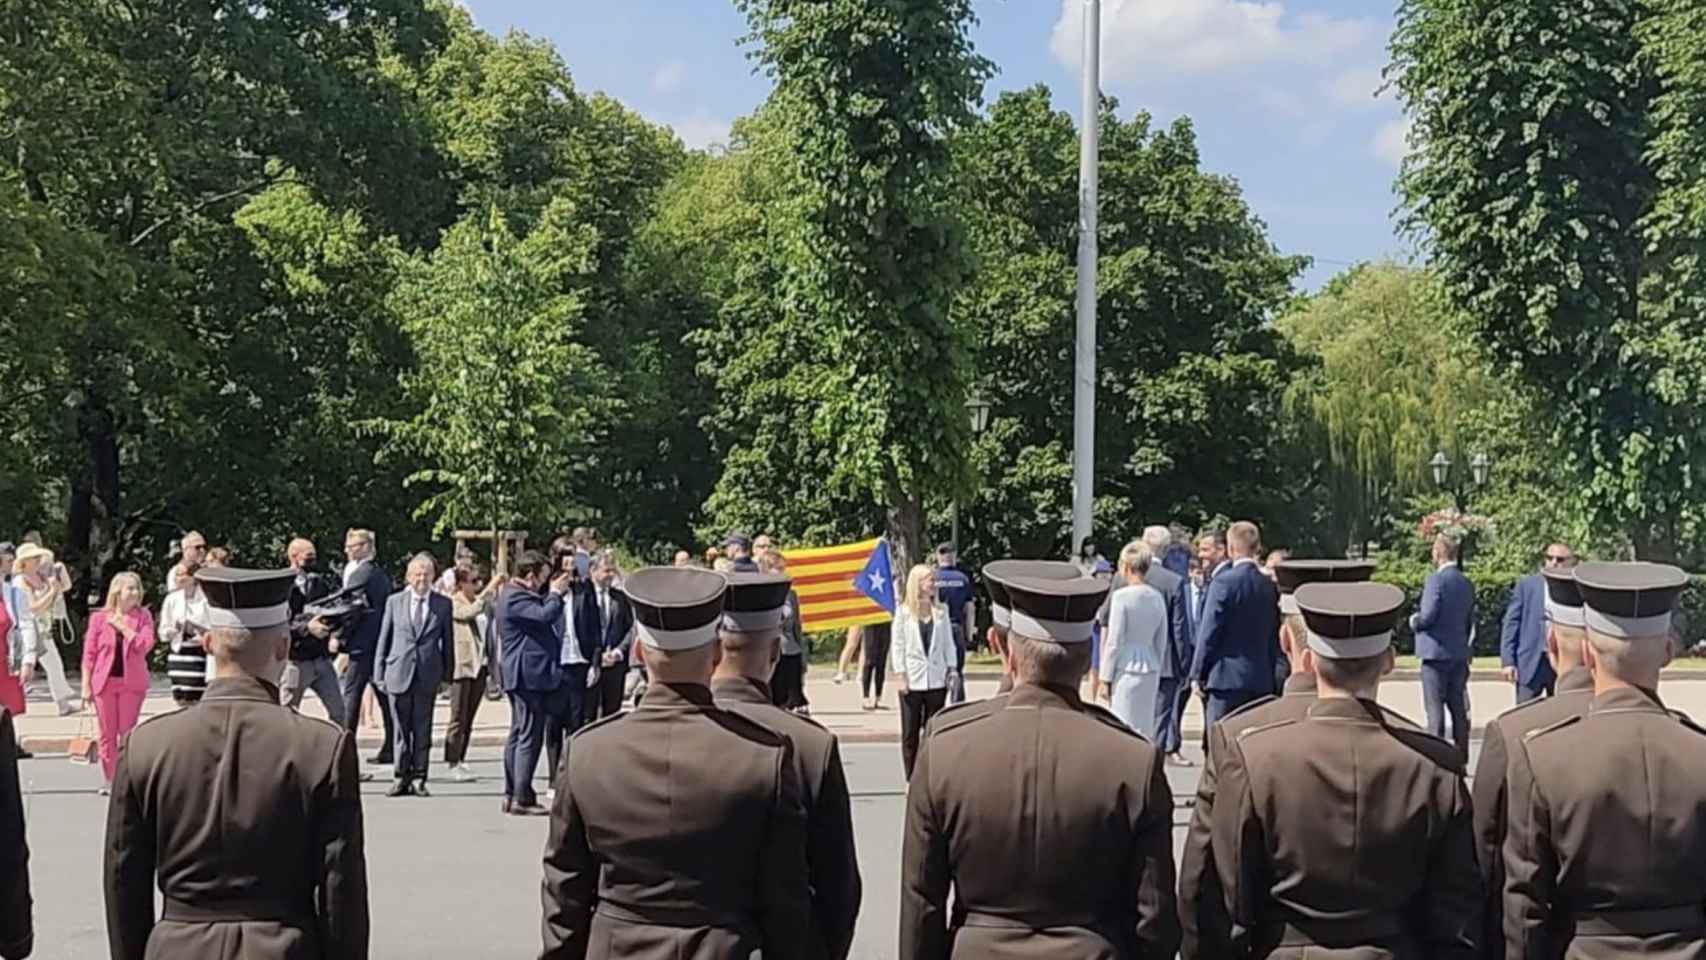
column 17, row 929
column 1522, row 641
column 606, row 616
column 1180, row 648
column 311, row 643
column 1238, row 640
column 1442, row 643
column 530, row 639
column 413, row 657
column 361, row 638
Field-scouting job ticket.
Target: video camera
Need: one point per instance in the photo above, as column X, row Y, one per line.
column 338, row 610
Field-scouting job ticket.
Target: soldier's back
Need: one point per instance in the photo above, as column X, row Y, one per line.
column 249, row 809
column 1610, row 850
column 1058, row 820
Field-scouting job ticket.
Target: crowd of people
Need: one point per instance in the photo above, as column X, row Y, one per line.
column 713, row 819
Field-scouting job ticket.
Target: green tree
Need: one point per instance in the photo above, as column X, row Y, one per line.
column 1535, row 183
column 501, row 429
column 1190, row 373
column 870, row 90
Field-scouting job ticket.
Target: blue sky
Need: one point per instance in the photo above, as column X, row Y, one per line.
column 1282, row 92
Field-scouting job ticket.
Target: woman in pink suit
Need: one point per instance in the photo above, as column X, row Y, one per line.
column 115, row 664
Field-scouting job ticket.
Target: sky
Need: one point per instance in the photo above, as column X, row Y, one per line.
column 1282, row 92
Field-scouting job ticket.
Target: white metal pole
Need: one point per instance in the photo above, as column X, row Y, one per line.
column 1084, row 366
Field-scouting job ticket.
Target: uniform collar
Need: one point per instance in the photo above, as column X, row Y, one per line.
column 241, row 688
column 1346, row 708
column 1627, row 699
column 741, row 690
column 1300, row 685
column 1580, row 678
column 1045, row 695
column 677, row 695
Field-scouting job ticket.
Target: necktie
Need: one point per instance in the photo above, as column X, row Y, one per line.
column 420, row 613
column 603, row 610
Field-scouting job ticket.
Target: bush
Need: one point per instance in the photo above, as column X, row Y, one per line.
column 1493, row 590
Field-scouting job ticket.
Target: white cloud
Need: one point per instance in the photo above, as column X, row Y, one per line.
column 702, row 133
column 1392, row 141
column 1150, row 38
column 669, row 77
column 1355, row 87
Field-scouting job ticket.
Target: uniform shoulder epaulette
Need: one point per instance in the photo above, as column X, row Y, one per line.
column 1405, row 722
column 1249, row 732
column 1518, row 708
column 1109, row 718
column 961, row 714
column 159, row 717
column 754, row 728
column 1541, row 731
column 1437, row 749
column 1247, row 707
column 597, row 724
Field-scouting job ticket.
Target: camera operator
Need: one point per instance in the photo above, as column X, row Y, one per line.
column 311, row 642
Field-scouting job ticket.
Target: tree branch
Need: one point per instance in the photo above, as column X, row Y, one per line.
column 210, row 201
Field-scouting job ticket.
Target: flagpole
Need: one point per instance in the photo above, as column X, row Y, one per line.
column 1084, row 364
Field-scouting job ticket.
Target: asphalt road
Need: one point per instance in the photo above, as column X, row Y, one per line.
column 450, row 876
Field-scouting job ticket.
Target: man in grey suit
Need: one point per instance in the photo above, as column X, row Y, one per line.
column 1176, row 659
column 413, row 657
column 1442, row 627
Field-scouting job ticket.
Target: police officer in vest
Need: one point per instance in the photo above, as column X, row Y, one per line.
column 678, row 831
column 1048, row 818
column 1202, row 907
column 1340, row 833
column 751, row 635
column 246, row 813
column 1566, row 636
column 1605, row 852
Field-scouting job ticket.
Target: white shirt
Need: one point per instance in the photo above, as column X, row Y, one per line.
column 418, row 608
column 21, row 645
column 571, row 639
column 351, row 568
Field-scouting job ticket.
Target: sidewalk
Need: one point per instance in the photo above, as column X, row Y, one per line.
column 836, row 706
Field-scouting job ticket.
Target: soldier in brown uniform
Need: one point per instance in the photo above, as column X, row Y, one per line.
column 1049, row 818
column 1340, row 834
column 17, row 932
column 1202, row 905
column 247, row 812
column 1566, row 635
column 1000, row 614
column 678, row 832
column 751, row 635
column 1605, row 853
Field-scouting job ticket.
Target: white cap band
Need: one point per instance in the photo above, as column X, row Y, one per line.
column 1626, row 628
column 677, row 639
column 1565, row 616
column 1002, row 616
column 253, row 618
column 1350, row 648
column 1054, row 630
column 1288, row 603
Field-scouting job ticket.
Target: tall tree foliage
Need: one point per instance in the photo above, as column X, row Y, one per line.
column 1189, row 372
column 869, row 90
column 1536, row 185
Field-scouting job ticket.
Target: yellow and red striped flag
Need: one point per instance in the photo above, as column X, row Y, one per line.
column 826, row 580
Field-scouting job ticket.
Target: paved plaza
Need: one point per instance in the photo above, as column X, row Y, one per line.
column 452, row 878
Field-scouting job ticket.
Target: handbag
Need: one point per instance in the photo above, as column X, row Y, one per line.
column 84, row 747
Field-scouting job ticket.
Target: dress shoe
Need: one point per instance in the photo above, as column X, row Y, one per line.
column 527, row 810
column 399, row 789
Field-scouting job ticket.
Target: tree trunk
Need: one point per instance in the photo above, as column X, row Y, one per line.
column 906, row 528
column 92, row 540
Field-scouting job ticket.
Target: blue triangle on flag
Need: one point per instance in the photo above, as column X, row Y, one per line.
column 876, row 581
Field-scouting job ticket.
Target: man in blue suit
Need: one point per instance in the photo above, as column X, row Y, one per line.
column 1442, row 627
column 1238, row 639
column 1522, row 642
column 530, row 640
column 414, row 656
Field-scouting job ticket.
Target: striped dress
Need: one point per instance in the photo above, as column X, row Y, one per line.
column 186, row 661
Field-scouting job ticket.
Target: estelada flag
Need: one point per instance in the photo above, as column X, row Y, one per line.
column 840, row 587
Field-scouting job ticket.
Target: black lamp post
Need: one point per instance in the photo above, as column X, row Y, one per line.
column 977, row 406
column 1480, row 471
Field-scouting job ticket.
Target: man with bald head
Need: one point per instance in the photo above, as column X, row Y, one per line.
column 312, row 645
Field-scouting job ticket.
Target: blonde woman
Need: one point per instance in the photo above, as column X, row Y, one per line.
column 115, row 664
column 45, row 583
column 1134, row 643
column 921, row 655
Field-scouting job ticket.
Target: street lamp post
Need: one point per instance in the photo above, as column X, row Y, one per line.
column 977, row 406
column 1480, row 471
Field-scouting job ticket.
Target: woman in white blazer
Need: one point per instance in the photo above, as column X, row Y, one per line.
column 921, row 654
column 1133, row 644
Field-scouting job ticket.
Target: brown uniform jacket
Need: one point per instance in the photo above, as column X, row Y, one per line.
column 830, row 854
column 1343, row 835
column 1605, row 854
column 1053, row 823
column 17, row 932
column 1202, row 904
column 249, row 814
column 1574, row 693
column 678, row 834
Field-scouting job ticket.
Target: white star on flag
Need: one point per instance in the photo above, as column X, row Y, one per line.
column 876, row 583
